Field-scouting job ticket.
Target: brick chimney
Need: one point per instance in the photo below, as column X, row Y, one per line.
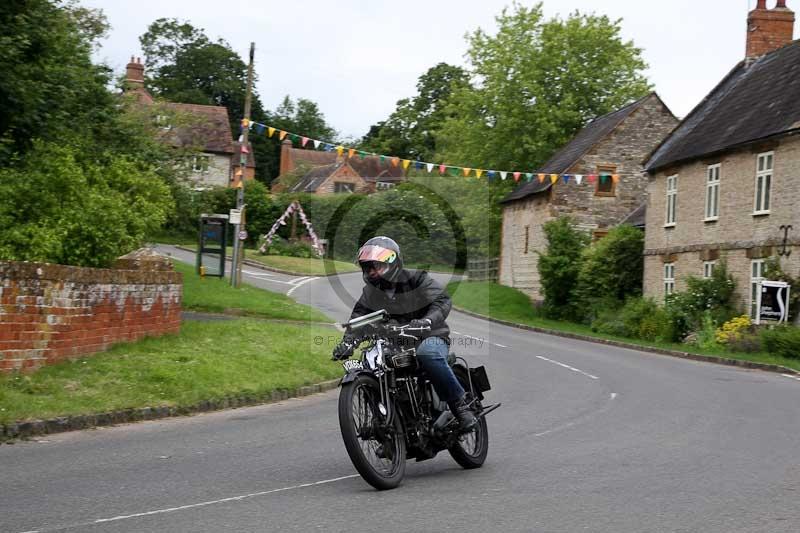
column 768, row 29
column 134, row 74
column 287, row 164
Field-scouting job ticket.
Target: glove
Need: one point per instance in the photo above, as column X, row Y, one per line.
column 420, row 323
column 345, row 348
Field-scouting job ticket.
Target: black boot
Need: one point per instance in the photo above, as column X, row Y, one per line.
column 463, row 413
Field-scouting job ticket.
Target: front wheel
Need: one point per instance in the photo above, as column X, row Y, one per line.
column 377, row 451
column 471, row 448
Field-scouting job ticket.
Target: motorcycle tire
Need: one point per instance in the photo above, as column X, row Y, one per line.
column 471, row 448
column 377, row 452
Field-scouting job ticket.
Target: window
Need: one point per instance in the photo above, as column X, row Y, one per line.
column 162, row 121
column 200, row 163
column 669, row 278
column 384, row 185
column 599, row 234
column 605, row 184
column 708, row 268
column 763, row 183
column 672, row 198
column 712, row 192
column 527, row 228
column 344, row 187
column 756, row 275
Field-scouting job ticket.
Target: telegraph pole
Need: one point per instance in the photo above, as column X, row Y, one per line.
column 238, row 243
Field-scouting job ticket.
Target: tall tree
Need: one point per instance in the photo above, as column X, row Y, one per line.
column 411, row 130
column 535, row 83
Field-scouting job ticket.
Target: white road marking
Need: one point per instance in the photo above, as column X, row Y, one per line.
column 259, row 273
column 567, row 366
column 298, row 285
column 265, row 277
column 790, row 376
column 223, row 500
column 297, row 280
column 499, row 345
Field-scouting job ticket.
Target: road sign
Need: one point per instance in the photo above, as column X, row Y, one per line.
column 243, row 235
column 236, row 216
column 773, row 301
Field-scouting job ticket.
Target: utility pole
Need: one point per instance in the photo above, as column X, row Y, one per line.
column 238, row 243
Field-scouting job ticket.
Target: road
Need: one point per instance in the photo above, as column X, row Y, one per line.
column 589, row 438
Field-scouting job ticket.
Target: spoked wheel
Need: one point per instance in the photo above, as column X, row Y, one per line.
column 471, row 448
column 377, row 451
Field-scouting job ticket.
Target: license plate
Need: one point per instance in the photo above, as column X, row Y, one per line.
column 352, row 364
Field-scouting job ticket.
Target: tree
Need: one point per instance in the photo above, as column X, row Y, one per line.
column 559, row 266
column 534, row 84
column 411, row 130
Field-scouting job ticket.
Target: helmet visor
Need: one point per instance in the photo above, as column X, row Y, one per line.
column 376, row 253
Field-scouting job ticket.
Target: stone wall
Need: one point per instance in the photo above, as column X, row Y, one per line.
column 49, row 313
column 737, row 234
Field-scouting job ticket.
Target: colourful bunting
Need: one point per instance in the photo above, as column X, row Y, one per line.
column 429, row 166
column 270, row 131
column 578, row 178
column 503, row 174
column 282, row 134
column 350, row 152
column 478, row 172
column 395, row 161
column 442, row 169
column 491, row 174
column 615, row 178
column 541, row 178
column 406, row 162
column 591, row 178
column 467, row 170
column 361, row 155
column 529, row 176
column 339, row 150
column 383, row 158
column 303, row 142
column 517, row 175
column 316, row 144
column 418, row 165
column 553, row 178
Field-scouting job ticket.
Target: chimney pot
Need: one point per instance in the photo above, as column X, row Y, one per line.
column 762, row 4
column 781, row 3
column 768, row 29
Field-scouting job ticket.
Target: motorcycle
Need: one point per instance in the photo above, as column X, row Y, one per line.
column 390, row 412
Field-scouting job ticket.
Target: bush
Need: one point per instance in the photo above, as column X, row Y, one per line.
column 559, row 266
column 283, row 247
column 733, row 330
column 639, row 318
column 612, row 267
column 783, row 341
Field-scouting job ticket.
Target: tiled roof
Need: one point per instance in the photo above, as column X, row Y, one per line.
column 314, row 178
column 759, row 98
column 570, row 153
column 208, row 128
column 368, row 167
column 636, row 218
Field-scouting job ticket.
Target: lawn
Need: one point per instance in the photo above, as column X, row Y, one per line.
column 504, row 303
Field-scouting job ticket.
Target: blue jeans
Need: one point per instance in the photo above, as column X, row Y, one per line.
column 432, row 355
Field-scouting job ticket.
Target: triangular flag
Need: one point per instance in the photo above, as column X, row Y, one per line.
column 503, row 174
column 603, row 178
column 442, row 169
column 565, row 177
column 361, row 154
column 270, row 131
column 615, row 178
column 553, row 178
column 454, row 171
column 429, row 166
column 316, row 143
column 490, row 174
column 245, row 122
column 395, row 161
column 578, row 178
column 260, row 128
column 241, row 138
column 529, row 176
column 339, row 150
column 591, row 178
column 303, row 141
column 294, row 137
column 350, row 152
column 244, row 149
column 466, row 171
column 238, row 172
column 406, row 162
column 541, row 178
column 383, row 158
column 478, row 172
column 418, row 165
column 517, row 175
column 282, row 134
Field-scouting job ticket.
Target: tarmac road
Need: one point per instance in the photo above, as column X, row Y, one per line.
column 589, row 438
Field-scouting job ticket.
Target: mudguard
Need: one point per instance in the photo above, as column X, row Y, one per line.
column 353, row 374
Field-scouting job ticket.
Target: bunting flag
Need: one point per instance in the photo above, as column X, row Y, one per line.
column 316, row 144
column 245, row 123
column 260, row 128
column 503, row 174
column 478, row 172
column 553, row 178
column 406, row 162
column 565, row 177
column 615, row 178
column 529, row 176
column 578, row 178
column 282, row 134
column 270, row 131
column 303, row 142
column 490, row 174
column 339, row 150
column 442, row 169
column 429, row 166
column 350, row 152
column 294, row 137
column 591, row 178
column 467, row 170
column 603, row 178
column 383, row 158
column 361, row 155
column 395, row 161
column 541, row 178
column 244, row 149
column 418, row 165
column 517, row 175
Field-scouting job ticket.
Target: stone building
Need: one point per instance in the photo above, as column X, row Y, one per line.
column 614, row 144
column 204, row 129
column 726, row 183
column 316, row 172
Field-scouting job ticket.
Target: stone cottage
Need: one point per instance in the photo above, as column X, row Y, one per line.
column 615, row 144
column 329, row 172
column 725, row 185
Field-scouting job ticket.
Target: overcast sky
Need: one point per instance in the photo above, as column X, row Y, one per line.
column 356, row 58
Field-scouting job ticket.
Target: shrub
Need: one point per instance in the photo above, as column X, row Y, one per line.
column 640, row 318
column 783, row 341
column 559, row 266
column 713, row 295
column 706, row 333
column 283, row 247
column 733, row 330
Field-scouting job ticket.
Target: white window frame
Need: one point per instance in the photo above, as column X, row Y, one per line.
column 201, row 163
column 712, row 192
column 384, row 185
column 672, row 201
column 344, row 187
column 756, row 276
column 762, row 195
column 708, row 269
column 669, row 279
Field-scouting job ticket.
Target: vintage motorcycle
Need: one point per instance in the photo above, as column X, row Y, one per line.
column 389, row 410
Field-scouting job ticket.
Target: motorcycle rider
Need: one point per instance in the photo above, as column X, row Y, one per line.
column 411, row 297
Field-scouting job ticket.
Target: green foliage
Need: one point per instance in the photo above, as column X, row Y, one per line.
column 783, row 341
column 535, row 83
column 638, row 318
column 60, row 208
column 559, row 267
column 411, row 130
column 612, row 267
column 283, row 247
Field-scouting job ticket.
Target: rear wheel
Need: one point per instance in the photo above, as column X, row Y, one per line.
column 377, row 451
column 471, row 448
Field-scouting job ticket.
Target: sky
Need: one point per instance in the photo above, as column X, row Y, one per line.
column 356, row 58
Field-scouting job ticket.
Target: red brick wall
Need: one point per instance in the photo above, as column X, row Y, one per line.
column 53, row 312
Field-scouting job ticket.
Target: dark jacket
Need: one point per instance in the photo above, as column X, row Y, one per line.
column 414, row 295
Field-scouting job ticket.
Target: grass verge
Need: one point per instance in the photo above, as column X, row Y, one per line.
column 215, row 295
column 307, row 266
column 206, row 361
column 504, row 303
